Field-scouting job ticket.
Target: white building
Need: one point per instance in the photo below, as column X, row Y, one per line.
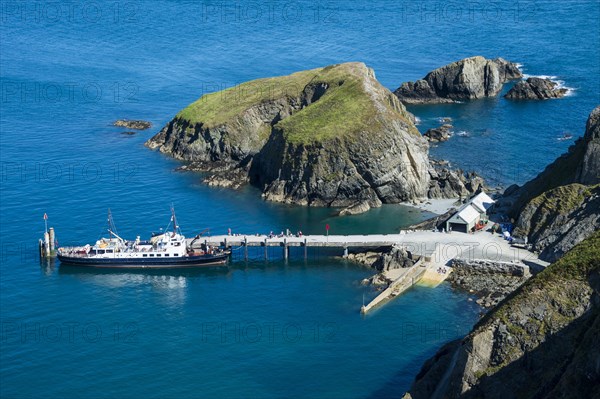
column 468, row 215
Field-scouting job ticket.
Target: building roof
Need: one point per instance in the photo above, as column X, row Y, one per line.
column 482, row 202
column 466, row 214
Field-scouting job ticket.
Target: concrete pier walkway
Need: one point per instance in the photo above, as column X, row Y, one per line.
column 436, row 250
column 439, row 247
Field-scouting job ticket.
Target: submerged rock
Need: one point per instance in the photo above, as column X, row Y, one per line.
column 467, row 79
column 536, row 89
column 131, row 124
column 331, row 136
column 356, row 209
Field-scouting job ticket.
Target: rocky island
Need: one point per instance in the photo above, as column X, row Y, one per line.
column 467, row 79
column 536, row 89
column 331, row 136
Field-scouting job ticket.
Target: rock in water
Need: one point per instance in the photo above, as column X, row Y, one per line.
column 467, row 79
column 137, row 125
column 355, row 209
column 331, row 136
column 438, row 134
column 536, row 89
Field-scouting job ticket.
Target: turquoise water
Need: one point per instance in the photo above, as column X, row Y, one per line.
column 68, row 71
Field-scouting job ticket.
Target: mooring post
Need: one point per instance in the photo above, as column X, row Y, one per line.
column 225, row 243
column 305, row 249
column 285, row 249
column 41, row 248
column 345, row 252
column 266, row 250
column 46, row 245
column 246, row 249
column 51, row 238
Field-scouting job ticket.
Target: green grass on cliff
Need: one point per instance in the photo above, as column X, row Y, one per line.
column 217, row 108
column 564, row 199
column 577, row 264
column 345, row 109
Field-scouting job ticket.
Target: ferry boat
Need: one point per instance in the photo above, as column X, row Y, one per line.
column 165, row 250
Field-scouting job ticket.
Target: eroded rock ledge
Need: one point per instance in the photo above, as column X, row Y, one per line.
column 490, row 281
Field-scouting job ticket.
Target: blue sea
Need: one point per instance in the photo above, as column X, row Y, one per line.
column 257, row 329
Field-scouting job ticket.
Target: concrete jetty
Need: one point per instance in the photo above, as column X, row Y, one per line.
column 439, row 247
column 406, row 279
column 436, row 251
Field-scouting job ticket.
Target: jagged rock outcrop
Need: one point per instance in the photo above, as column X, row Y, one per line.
column 541, row 342
column 588, row 171
column 536, row 89
column 331, row 136
column 437, row 134
column 446, row 182
column 397, row 257
column 560, row 207
column 560, row 218
column 467, row 79
column 491, row 281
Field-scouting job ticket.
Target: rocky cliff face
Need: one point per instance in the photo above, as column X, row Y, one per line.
column 446, row 182
column 541, row 342
column 467, row 79
column 560, row 207
column 560, row 218
column 536, row 89
column 332, row 136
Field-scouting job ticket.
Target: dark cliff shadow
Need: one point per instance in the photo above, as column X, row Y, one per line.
column 83, row 271
column 403, row 379
column 566, row 364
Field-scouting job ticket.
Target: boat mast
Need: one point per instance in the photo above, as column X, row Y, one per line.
column 112, row 229
column 174, row 220
column 109, row 220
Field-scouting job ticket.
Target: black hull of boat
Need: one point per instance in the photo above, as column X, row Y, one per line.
column 165, row 263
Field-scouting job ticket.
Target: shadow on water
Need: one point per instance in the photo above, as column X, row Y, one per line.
column 178, row 272
column 401, row 382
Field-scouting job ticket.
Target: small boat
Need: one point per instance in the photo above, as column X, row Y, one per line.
column 164, row 250
column 565, row 137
